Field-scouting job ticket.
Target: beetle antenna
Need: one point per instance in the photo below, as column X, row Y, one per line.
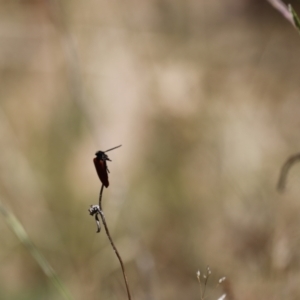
column 113, row 148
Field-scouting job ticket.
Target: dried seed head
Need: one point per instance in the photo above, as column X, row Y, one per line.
column 208, row 270
column 222, row 297
column 222, row 279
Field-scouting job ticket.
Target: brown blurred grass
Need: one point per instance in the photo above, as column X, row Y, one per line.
column 204, row 98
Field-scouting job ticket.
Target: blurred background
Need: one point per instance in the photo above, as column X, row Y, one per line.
column 204, row 98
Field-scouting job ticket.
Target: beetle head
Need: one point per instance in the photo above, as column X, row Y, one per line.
column 101, row 155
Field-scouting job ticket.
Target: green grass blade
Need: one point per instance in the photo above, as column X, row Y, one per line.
column 295, row 17
column 20, row 232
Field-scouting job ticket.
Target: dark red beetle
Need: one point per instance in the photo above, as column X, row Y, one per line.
column 101, row 167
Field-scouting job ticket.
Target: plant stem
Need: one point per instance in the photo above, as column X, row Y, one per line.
column 112, row 243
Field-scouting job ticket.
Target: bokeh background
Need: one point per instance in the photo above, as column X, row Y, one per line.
column 204, row 98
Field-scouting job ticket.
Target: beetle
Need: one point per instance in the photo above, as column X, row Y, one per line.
column 101, row 167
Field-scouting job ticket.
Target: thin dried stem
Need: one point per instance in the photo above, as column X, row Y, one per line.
column 100, row 197
column 205, row 277
column 285, row 170
column 117, row 253
column 97, row 210
column 208, row 272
